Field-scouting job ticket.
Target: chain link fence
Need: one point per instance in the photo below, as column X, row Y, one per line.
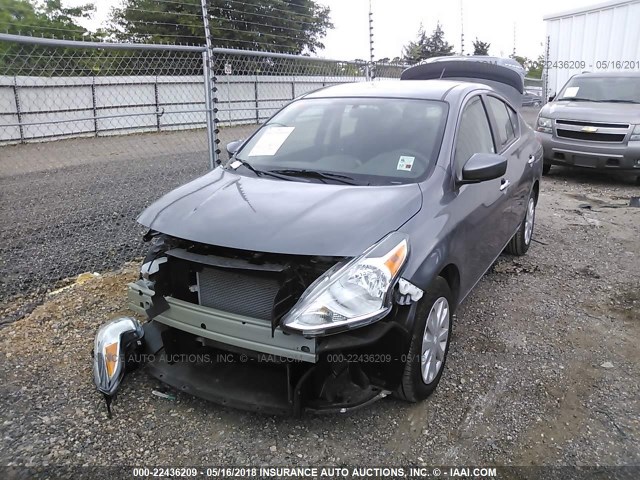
column 92, row 133
column 88, row 138
column 251, row 86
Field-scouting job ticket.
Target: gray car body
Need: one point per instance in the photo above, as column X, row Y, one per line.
column 454, row 230
column 609, row 156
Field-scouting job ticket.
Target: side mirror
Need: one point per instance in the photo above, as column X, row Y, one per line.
column 552, row 98
column 233, row 147
column 483, row 166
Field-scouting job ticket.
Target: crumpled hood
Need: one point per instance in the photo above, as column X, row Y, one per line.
column 260, row 214
column 593, row 112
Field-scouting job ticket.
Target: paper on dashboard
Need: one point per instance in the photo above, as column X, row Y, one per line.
column 271, row 140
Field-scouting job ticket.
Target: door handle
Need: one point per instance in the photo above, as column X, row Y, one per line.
column 504, row 185
column 532, row 158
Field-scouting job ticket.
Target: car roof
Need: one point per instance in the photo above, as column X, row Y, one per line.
column 419, row 89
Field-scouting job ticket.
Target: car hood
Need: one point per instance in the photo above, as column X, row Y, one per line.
column 593, row 112
column 294, row 217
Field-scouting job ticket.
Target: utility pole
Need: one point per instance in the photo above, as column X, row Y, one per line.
column 461, row 30
column 371, row 74
column 514, row 39
column 210, row 82
column 370, row 33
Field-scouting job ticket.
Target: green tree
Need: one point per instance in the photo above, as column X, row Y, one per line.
column 289, row 26
column 43, row 19
column 427, row 46
column 47, row 19
column 535, row 68
column 524, row 61
column 480, row 48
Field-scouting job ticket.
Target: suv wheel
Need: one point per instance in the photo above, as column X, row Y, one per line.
column 546, row 167
column 429, row 343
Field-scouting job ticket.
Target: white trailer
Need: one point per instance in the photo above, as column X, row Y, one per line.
column 603, row 37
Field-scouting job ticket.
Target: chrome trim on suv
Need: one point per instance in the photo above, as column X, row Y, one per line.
column 591, row 131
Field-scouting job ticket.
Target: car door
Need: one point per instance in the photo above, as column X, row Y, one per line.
column 511, row 145
column 480, row 206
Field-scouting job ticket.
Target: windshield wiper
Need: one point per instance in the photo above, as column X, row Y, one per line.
column 322, row 176
column 615, row 100
column 258, row 173
column 579, row 99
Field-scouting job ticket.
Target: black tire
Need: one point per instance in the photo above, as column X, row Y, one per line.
column 520, row 242
column 546, row 168
column 413, row 388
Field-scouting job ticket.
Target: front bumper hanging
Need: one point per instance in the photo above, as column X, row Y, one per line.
column 235, row 360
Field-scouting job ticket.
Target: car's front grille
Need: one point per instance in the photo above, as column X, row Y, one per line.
column 590, row 136
column 247, row 293
column 580, row 123
column 592, row 131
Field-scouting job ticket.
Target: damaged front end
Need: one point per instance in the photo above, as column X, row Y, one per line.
column 276, row 333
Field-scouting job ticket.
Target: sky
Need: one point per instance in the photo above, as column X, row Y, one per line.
column 396, row 22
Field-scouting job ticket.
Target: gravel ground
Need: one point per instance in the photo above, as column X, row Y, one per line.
column 544, row 369
column 70, row 206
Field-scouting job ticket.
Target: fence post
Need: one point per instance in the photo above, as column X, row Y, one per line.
column 155, row 93
column 545, row 71
column 94, row 105
column 210, row 86
column 16, row 97
column 211, row 130
column 257, row 99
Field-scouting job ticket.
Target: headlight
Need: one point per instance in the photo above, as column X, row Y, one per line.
column 545, row 125
column 635, row 135
column 353, row 294
column 109, row 351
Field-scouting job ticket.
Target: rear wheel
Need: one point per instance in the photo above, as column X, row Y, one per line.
column 429, row 343
column 521, row 241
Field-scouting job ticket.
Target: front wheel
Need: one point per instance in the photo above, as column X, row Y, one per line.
column 546, row 168
column 520, row 242
column 429, row 343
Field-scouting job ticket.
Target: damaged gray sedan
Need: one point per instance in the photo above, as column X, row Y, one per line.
column 318, row 269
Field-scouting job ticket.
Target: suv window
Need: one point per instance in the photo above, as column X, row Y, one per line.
column 474, row 134
column 504, row 124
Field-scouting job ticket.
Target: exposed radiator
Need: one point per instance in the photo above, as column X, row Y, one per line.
column 241, row 292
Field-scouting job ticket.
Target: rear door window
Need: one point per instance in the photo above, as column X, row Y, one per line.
column 514, row 120
column 505, row 130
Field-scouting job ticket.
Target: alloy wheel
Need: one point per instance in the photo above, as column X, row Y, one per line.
column 435, row 340
column 529, row 220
